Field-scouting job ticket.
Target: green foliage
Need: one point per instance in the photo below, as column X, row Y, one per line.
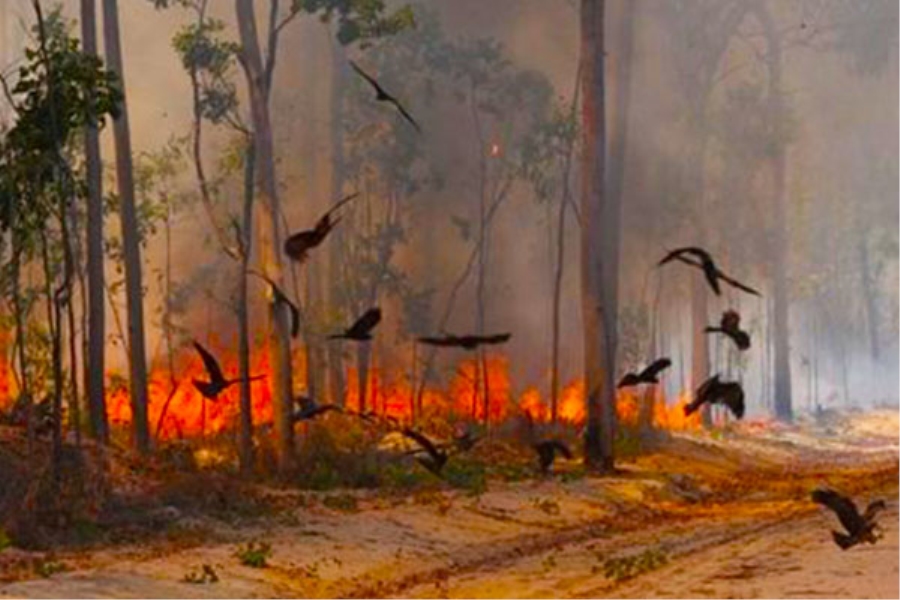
column 358, row 20
column 5, row 540
column 49, row 567
column 467, row 475
column 254, row 554
column 627, row 567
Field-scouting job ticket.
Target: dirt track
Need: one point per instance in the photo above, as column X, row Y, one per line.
column 731, row 517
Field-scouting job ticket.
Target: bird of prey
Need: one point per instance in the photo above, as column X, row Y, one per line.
column 710, row 270
column 547, row 451
column 298, row 245
column 310, row 409
column 217, row 382
column 648, row 375
column 434, row 459
column 281, row 297
column 467, row 342
column 713, row 391
column 383, row 96
column 860, row 527
column 361, row 330
column 730, row 325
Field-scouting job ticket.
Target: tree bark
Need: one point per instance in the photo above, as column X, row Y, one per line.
column 243, row 316
column 95, row 365
column 337, row 383
column 130, row 239
column 268, row 228
column 869, row 297
column 783, row 403
column 599, row 248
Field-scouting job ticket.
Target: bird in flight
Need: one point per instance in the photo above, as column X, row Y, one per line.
column 310, row 409
column 714, row 391
column 467, row 342
column 361, row 330
column 730, row 325
column 282, row 298
column 217, row 382
column 705, row 263
column 383, row 96
column 860, row 527
column 298, row 245
column 434, row 458
column 648, row 375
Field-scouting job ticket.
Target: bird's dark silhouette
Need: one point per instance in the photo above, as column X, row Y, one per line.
column 310, row 409
column 547, row 450
column 705, row 263
column 860, row 527
column 435, row 458
column 467, row 342
column 382, row 96
column 217, row 382
column 714, row 391
column 730, row 325
column 298, row 245
column 648, row 375
column 361, row 330
column 465, row 441
column 282, row 298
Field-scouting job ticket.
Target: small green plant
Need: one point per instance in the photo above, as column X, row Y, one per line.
column 626, row 567
column 467, row 476
column 46, row 568
column 341, row 502
column 254, row 554
column 5, row 541
column 206, row 574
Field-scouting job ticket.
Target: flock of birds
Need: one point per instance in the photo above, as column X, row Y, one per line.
column 860, row 527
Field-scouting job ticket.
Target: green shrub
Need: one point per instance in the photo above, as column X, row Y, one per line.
column 254, row 554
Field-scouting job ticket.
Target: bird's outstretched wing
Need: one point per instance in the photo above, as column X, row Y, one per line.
column 367, row 321
column 735, row 283
column 378, row 89
column 842, row 506
column 499, row 338
column 426, row 444
column 873, row 509
column 560, row 447
column 210, row 362
column 280, row 296
column 732, row 395
column 405, row 114
column 438, row 341
column 655, row 368
column 678, row 253
column 629, row 380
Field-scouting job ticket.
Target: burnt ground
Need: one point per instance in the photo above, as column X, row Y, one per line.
column 721, row 514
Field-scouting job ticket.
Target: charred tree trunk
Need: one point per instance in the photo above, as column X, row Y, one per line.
column 337, row 382
column 258, row 81
column 599, row 248
column 130, row 237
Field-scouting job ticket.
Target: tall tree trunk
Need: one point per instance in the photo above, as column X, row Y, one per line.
column 599, row 248
column 268, row 229
column 869, row 297
column 336, row 299
column 243, row 315
column 95, row 333
column 130, row 237
column 783, row 407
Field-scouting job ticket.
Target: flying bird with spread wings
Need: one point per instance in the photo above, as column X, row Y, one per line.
column 730, row 325
column 298, row 245
column 714, row 391
column 466, row 342
column 860, row 527
column 648, row 375
column 361, row 330
column 217, row 382
column 706, row 264
column 382, row 96
column 310, row 409
column 282, row 298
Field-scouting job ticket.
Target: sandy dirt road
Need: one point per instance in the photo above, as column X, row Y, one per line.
column 787, row 555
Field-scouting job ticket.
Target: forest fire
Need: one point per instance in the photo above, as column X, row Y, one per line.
column 177, row 410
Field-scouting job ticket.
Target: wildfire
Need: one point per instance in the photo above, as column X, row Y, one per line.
column 177, row 410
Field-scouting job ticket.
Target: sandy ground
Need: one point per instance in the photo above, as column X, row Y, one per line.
column 730, row 515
